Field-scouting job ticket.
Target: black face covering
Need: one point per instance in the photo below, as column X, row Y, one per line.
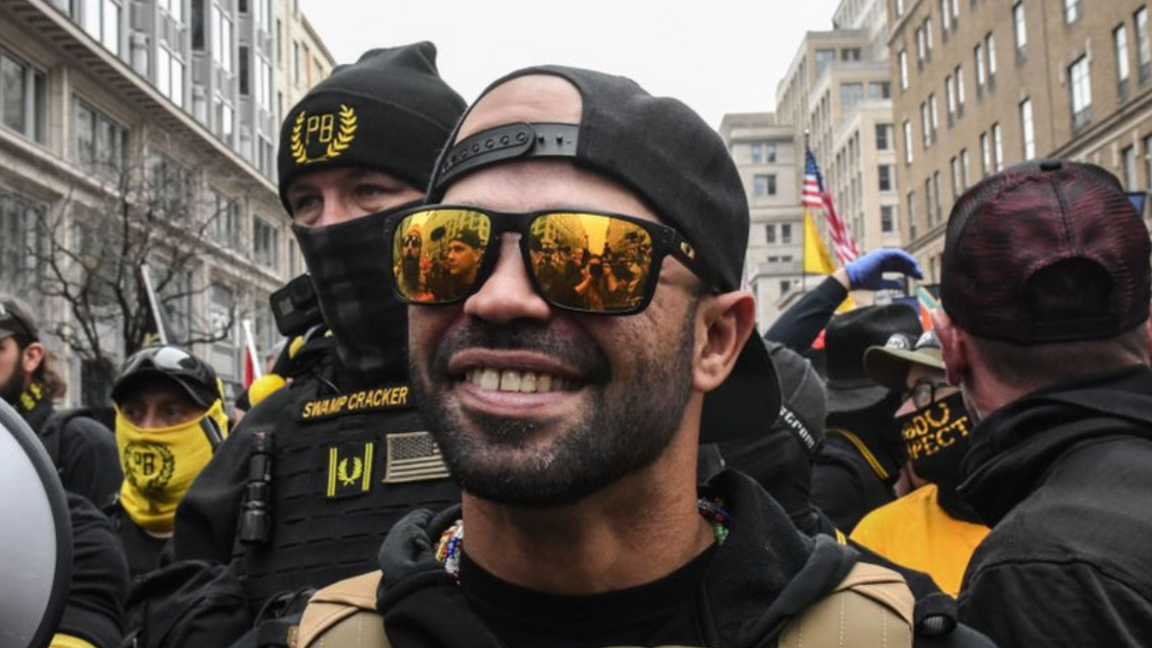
column 936, row 437
column 349, row 267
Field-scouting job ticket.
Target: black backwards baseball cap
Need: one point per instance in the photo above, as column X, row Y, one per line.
column 194, row 376
column 663, row 152
column 1012, row 226
column 389, row 111
column 16, row 318
column 849, row 336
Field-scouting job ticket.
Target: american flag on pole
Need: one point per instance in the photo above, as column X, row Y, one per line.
column 815, row 196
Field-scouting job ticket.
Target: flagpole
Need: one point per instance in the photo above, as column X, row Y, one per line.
column 146, row 277
column 250, row 342
column 804, row 215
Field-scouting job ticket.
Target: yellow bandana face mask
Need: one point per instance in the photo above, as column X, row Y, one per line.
column 160, row 464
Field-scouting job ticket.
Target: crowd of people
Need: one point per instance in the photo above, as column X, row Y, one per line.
column 559, row 355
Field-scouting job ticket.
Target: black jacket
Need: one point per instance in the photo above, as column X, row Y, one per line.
column 1064, row 477
column 346, row 462
column 94, row 608
column 762, row 575
column 87, row 459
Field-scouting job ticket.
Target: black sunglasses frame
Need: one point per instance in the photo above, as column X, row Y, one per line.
column 665, row 241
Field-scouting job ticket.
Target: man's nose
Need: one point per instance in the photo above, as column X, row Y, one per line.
column 508, row 294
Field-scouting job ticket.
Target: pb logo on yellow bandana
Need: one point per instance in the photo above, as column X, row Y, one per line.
column 317, row 138
column 148, row 466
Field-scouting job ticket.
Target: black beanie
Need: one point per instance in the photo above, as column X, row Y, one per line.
column 389, row 111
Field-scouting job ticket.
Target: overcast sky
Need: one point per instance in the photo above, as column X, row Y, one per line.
column 718, row 57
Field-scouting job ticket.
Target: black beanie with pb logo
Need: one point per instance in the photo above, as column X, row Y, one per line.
column 389, row 111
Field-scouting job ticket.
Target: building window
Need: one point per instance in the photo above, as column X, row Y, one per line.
column 823, row 58
column 19, row 233
column 964, row 178
column 1128, row 159
column 174, row 8
column 1081, row 89
column 998, row 147
column 764, row 185
column 990, row 50
column 22, row 97
column 959, row 91
column 265, row 244
column 171, row 184
column 945, row 18
column 925, row 129
column 903, row 69
column 1072, row 11
column 770, row 233
column 951, row 95
column 100, row 142
column 899, row 7
column 955, row 167
column 885, row 174
column 907, row 142
column 850, row 54
column 911, row 208
column 978, row 55
column 1148, row 157
column 920, row 48
column 928, row 200
column 887, row 218
column 1026, row 129
column 883, row 137
column 1021, row 30
column 170, row 75
column 222, row 38
column 1143, row 47
column 933, row 114
column 101, row 19
column 225, row 218
column 1120, row 42
column 928, row 38
column 786, row 233
column 757, row 153
column 850, row 95
column 985, row 156
column 936, row 195
column 879, row 90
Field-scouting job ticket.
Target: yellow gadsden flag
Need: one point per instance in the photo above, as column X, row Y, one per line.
column 816, row 257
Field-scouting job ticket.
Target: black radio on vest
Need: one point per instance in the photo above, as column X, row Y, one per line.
column 255, row 522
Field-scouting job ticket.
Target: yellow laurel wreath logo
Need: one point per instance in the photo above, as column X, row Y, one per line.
column 298, row 152
column 337, row 143
column 357, row 470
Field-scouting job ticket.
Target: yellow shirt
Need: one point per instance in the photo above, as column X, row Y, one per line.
column 915, row 532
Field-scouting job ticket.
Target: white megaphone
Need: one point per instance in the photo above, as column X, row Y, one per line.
column 35, row 537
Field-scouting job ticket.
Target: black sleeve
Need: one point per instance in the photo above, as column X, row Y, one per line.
column 89, row 460
column 838, row 492
column 206, row 517
column 798, row 326
column 94, row 610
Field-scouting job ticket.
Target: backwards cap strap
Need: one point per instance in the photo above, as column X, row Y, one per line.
column 505, row 144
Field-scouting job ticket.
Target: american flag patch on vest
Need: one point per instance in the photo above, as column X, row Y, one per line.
column 413, row 456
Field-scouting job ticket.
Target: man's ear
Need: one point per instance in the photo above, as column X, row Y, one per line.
column 724, row 323
column 953, row 348
column 31, row 357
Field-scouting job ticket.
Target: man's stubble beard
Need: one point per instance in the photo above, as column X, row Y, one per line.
column 626, row 427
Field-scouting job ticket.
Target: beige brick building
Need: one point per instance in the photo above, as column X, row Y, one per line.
column 765, row 154
column 838, row 92
column 979, row 85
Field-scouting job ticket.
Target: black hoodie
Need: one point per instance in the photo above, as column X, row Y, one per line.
column 738, row 593
column 1064, row 476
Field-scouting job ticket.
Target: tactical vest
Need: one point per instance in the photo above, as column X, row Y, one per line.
column 329, row 476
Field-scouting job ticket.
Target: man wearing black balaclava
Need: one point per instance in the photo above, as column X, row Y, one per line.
column 306, row 487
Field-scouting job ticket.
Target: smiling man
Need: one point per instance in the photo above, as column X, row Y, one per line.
column 573, row 431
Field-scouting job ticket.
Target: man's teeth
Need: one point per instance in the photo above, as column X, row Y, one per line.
column 510, row 380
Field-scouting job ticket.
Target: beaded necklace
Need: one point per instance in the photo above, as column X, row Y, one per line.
column 451, row 544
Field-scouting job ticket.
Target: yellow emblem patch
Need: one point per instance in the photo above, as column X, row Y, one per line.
column 350, row 469
column 310, row 131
